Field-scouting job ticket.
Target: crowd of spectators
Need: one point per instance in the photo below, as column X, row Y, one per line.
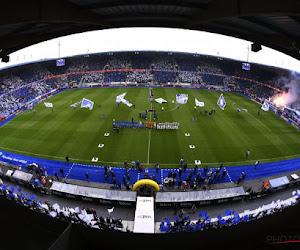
column 139, row 76
column 195, row 178
column 94, row 77
column 190, row 77
column 182, row 223
column 17, row 88
column 87, row 217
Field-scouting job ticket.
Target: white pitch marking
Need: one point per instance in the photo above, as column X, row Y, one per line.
column 197, row 162
column 69, row 171
column 94, row 159
column 259, row 121
column 149, row 141
column 233, row 104
column 228, row 174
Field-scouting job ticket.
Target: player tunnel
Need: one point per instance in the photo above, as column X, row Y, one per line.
column 144, row 213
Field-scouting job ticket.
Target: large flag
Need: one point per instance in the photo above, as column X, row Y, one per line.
column 120, row 97
column 239, row 110
column 126, row 102
column 86, row 103
column 160, row 100
column 48, row 104
column 199, row 104
column 75, row 104
column 265, row 106
column 221, row 102
column 182, row 98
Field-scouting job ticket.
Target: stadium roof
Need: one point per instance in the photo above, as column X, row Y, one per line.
column 275, row 24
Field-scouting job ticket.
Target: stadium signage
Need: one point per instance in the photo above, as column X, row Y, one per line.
column 12, row 159
column 165, row 204
column 223, row 200
column 71, row 196
column 104, row 201
column 125, row 203
column 144, row 216
column 86, row 199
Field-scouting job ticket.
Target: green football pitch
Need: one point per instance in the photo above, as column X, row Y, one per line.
column 223, row 138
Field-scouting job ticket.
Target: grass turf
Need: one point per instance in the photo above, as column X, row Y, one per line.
column 223, row 138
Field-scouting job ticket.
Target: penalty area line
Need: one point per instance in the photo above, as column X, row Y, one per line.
column 259, row 121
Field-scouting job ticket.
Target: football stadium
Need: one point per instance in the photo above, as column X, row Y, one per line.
column 148, row 147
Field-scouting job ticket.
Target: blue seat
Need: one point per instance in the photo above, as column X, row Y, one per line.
column 10, row 195
column 19, row 189
column 246, row 218
column 32, row 197
column 199, row 226
column 29, row 202
column 4, row 187
column 222, row 221
column 227, row 212
column 165, row 228
column 167, row 220
column 186, row 218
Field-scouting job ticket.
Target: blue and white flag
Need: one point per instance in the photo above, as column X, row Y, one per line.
column 182, row 98
column 265, row 106
column 239, row 110
column 48, row 104
column 119, row 98
column 75, row 104
column 86, row 103
column 126, row 102
column 160, row 100
column 199, row 104
column 221, row 102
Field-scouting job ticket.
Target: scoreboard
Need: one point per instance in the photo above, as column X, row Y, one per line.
column 60, row 62
column 246, row 66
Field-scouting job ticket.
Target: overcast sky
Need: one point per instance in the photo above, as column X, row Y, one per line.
column 158, row 39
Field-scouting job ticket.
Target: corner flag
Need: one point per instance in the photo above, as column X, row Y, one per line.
column 221, row 102
column 87, row 104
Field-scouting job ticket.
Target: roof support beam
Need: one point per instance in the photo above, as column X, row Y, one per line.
column 40, row 11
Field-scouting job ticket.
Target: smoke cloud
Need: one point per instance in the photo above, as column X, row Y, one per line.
column 291, row 96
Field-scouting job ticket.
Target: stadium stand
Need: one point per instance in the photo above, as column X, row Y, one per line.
column 23, row 84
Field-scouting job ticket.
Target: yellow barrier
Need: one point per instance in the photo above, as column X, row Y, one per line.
column 143, row 182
